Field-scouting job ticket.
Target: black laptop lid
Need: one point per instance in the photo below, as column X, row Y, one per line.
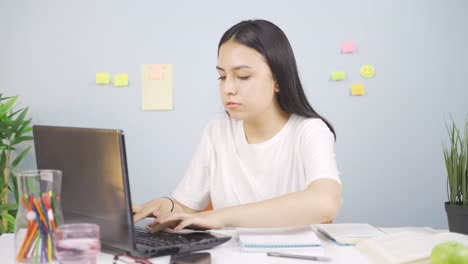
column 95, row 181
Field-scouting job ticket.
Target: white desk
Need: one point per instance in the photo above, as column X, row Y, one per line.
column 227, row 253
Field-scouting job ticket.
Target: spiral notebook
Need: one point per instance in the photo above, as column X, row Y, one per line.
column 278, row 239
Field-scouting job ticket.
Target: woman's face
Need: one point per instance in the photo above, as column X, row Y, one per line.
column 246, row 84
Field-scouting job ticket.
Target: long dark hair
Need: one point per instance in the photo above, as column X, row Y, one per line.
column 270, row 41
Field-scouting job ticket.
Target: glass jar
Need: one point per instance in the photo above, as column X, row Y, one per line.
column 77, row 243
column 39, row 215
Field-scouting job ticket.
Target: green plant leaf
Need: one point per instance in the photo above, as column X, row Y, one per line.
column 11, row 227
column 14, row 186
column 456, row 161
column 11, row 115
column 8, row 217
column 21, row 139
column 4, row 108
column 19, row 120
column 8, row 207
column 14, row 126
column 23, row 129
column 5, row 128
column 20, row 157
column 29, row 129
column 3, row 165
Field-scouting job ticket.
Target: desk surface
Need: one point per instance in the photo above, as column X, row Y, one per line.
column 226, row 254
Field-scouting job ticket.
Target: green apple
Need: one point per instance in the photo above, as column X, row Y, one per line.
column 449, row 253
column 461, row 256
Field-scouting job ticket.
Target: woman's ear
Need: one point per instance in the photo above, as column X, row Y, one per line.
column 276, row 87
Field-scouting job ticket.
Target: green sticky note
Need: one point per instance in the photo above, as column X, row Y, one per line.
column 121, row 79
column 337, row 75
column 102, row 78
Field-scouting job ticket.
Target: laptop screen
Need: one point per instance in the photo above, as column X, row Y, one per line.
column 95, row 185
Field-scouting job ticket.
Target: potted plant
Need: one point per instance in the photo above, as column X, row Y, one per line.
column 456, row 162
column 14, row 129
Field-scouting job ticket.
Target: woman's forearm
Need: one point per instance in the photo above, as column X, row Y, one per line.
column 319, row 203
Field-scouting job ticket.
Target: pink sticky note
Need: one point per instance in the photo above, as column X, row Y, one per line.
column 155, row 72
column 348, row 47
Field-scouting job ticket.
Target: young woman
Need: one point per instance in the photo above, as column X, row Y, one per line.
column 269, row 161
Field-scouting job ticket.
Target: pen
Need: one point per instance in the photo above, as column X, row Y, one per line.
column 283, row 255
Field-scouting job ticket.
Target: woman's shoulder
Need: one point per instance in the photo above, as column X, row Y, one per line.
column 310, row 123
column 307, row 126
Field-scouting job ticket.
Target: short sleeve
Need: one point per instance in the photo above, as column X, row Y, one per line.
column 194, row 188
column 318, row 151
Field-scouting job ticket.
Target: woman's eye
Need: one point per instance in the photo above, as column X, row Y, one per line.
column 243, row 77
column 222, row 78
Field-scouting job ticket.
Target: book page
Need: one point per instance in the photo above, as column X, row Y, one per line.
column 450, row 236
column 399, row 247
column 427, row 230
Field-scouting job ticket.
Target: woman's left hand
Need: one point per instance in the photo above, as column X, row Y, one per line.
column 203, row 220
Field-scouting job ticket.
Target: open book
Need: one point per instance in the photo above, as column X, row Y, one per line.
column 278, row 239
column 348, row 234
column 406, row 247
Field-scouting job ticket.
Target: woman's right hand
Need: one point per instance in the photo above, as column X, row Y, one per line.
column 154, row 208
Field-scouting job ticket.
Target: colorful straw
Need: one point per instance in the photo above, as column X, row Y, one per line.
column 38, row 243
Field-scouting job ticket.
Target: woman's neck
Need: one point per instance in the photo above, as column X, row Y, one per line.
column 265, row 126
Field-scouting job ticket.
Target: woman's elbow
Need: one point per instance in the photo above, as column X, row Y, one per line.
column 325, row 200
column 329, row 207
column 331, row 210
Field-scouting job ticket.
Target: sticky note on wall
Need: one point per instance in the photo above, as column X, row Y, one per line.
column 357, row 89
column 348, row 47
column 367, row 71
column 102, row 78
column 121, row 80
column 155, row 72
column 338, row 75
column 156, row 86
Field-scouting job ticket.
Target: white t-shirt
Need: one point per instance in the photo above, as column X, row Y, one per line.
column 229, row 171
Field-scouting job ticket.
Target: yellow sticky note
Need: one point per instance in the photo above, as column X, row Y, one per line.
column 357, row 89
column 367, row 71
column 121, row 79
column 156, row 86
column 102, row 78
column 337, row 75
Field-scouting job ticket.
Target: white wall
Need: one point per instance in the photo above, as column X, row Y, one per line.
column 389, row 142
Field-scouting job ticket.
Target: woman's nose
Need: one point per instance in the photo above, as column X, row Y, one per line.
column 229, row 86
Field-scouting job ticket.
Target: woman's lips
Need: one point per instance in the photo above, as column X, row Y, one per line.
column 232, row 104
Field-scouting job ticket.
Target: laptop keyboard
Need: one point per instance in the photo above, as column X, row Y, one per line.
column 160, row 238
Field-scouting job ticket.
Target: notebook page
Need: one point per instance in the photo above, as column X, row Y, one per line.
column 290, row 236
column 350, row 230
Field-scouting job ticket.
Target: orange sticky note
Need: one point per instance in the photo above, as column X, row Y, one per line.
column 357, row 89
column 348, row 47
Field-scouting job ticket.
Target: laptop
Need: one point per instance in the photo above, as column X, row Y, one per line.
column 95, row 189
